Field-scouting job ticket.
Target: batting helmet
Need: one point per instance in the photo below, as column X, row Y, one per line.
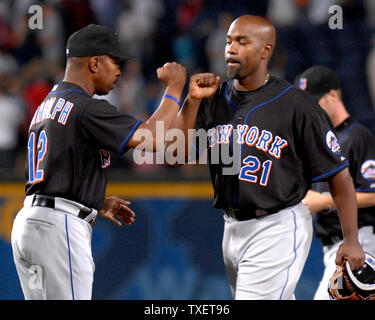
column 346, row 284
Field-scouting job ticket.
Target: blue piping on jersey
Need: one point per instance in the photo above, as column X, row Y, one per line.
column 330, row 172
column 70, row 258
column 268, row 101
column 228, row 99
column 260, row 105
column 55, row 92
column 128, row 136
column 295, row 253
column 347, row 130
column 364, row 190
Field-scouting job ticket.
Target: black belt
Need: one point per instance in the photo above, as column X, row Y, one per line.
column 243, row 214
column 49, row 202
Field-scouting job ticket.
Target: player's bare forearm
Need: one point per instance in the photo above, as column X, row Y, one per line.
column 317, row 202
column 186, row 119
column 173, row 76
column 365, row 199
column 343, row 194
column 163, row 118
column 201, row 86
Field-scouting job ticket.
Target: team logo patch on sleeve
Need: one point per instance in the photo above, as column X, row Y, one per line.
column 333, row 143
column 303, row 83
column 368, row 170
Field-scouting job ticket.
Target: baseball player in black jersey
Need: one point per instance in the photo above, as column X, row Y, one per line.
column 284, row 141
column 71, row 138
column 358, row 147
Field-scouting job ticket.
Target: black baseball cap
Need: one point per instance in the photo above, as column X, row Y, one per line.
column 95, row 40
column 319, row 80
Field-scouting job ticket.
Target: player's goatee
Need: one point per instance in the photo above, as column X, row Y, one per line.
column 233, row 73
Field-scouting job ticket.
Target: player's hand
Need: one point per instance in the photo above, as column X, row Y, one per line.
column 115, row 208
column 203, row 85
column 318, row 202
column 172, row 74
column 352, row 251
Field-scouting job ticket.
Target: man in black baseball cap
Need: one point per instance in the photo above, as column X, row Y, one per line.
column 95, row 40
column 357, row 145
column 76, row 134
column 319, row 80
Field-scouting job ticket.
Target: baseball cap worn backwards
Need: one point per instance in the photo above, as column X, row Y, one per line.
column 319, row 80
column 95, row 40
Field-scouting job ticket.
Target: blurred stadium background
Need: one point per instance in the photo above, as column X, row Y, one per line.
column 173, row 251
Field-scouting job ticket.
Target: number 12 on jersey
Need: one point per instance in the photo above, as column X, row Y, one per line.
column 253, row 165
column 36, row 154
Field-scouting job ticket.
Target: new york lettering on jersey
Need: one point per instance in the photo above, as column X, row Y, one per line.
column 265, row 152
column 251, row 136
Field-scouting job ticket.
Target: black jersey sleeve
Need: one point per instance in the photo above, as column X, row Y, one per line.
column 362, row 159
column 109, row 127
column 319, row 143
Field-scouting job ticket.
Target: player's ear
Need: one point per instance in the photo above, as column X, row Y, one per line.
column 267, row 51
column 94, row 64
column 335, row 93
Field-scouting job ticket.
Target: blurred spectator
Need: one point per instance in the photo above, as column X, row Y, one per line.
column 215, row 44
column 370, row 13
column 154, row 92
column 8, row 64
column 318, row 11
column 33, row 94
column 187, row 13
column 12, row 115
column 184, row 49
column 191, row 32
column 52, row 36
column 76, row 15
column 106, row 11
column 26, row 47
column 370, row 71
column 136, row 25
column 131, row 89
column 126, row 26
column 282, row 13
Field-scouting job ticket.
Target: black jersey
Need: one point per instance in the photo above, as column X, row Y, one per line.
column 70, row 141
column 285, row 142
column 358, row 145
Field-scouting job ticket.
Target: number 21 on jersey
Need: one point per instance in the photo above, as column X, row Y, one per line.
column 253, row 165
column 37, row 151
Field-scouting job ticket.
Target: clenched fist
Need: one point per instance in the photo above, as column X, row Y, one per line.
column 172, row 73
column 203, row 85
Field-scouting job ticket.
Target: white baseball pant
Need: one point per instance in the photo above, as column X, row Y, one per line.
column 366, row 238
column 264, row 257
column 52, row 251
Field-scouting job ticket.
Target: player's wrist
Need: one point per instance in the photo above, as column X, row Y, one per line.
column 192, row 99
column 175, row 99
